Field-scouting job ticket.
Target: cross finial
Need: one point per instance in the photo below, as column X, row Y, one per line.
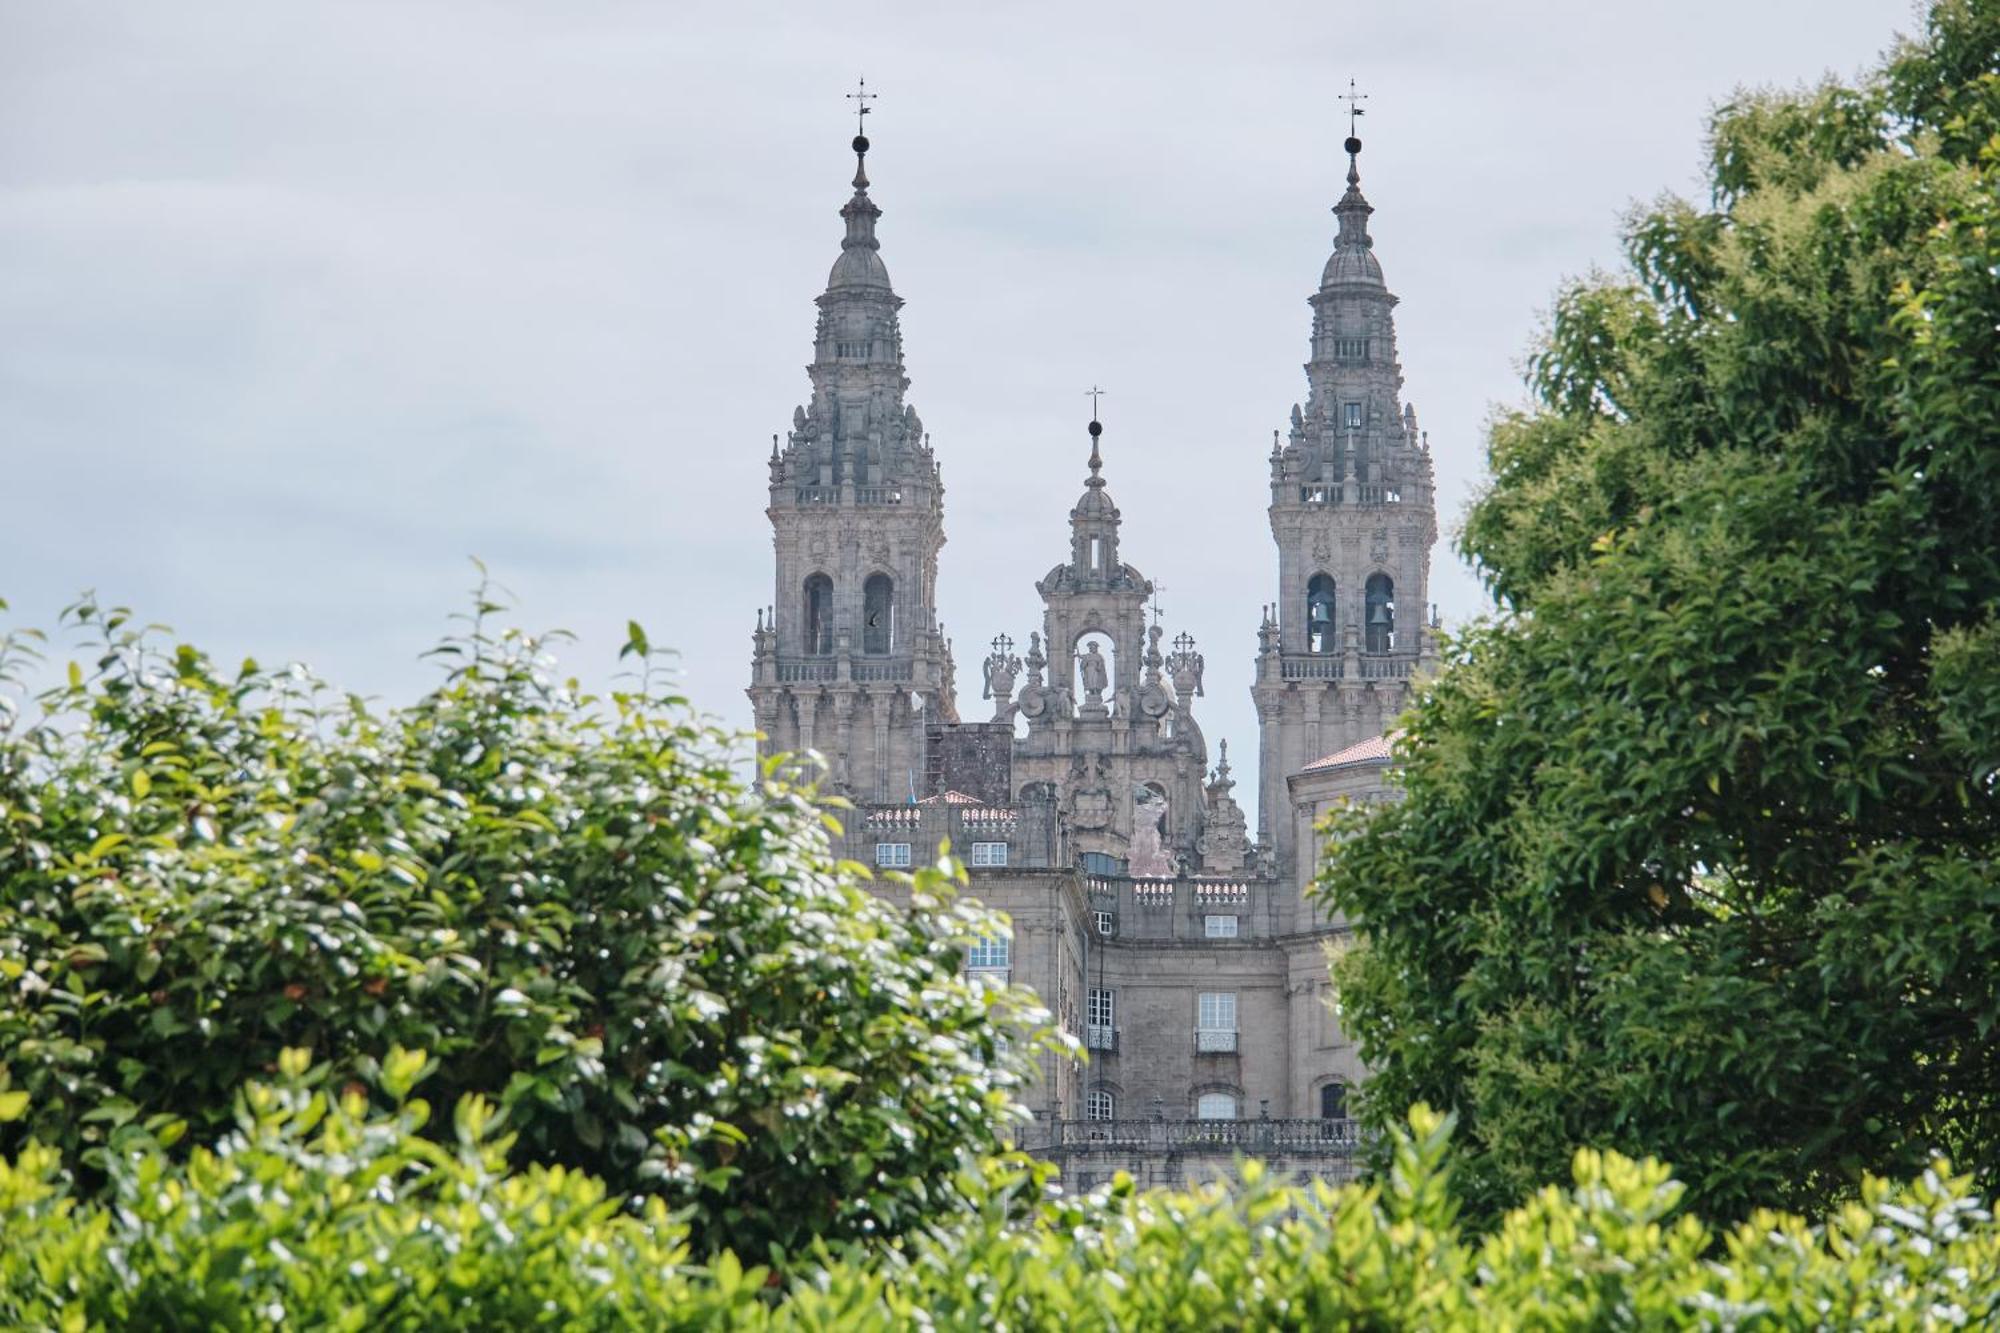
column 1355, row 111
column 861, row 97
column 1093, row 393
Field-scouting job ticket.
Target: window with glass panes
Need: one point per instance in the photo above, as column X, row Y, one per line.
column 989, row 951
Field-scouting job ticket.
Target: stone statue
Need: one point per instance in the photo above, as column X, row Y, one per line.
column 1001, row 668
column 1034, row 704
column 1149, row 855
column 1095, row 677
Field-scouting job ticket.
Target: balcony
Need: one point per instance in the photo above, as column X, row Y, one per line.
column 808, row 670
column 1332, row 666
column 1215, row 1041
column 862, row 495
column 1100, row 1038
column 1319, row 1138
column 999, row 976
column 1359, row 493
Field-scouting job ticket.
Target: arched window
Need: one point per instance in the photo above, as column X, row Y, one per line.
column 878, row 614
column 1381, row 619
column 1333, row 1101
column 1099, row 1105
column 1319, row 614
column 1215, row 1106
column 819, row 614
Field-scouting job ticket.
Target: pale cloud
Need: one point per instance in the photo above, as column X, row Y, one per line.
column 302, row 304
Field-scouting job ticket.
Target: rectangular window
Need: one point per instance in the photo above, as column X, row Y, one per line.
column 1107, row 922
column 989, row 951
column 1354, row 416
column 1218, row 927
column 893, row 855
column 989, row 853
column 1216, row 1011
column 1102, row 1006
column 1099, row 1105
column 1097, row 553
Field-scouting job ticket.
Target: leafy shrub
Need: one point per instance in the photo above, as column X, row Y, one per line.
column 316, row 1213
column 659, row 973
column 1700, row 856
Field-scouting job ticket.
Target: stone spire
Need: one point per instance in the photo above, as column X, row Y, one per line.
column 1353, row 258
column 1094, row 522
column 856, row 429
column 1353, row 517
column 860, row 263
column 852, row 661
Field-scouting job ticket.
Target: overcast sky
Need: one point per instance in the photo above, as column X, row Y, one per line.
column 301, row 304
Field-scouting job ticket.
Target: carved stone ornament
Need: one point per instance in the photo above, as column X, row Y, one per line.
column 1087, row 795
column 1378, row 546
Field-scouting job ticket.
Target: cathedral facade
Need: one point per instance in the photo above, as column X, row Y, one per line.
column 1179, row 948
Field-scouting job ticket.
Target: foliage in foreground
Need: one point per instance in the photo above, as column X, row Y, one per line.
column 322, row 1215
column 1700, row 857
column 660, row 974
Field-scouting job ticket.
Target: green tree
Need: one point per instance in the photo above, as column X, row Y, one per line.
column 1697, row 858
column 575, row 905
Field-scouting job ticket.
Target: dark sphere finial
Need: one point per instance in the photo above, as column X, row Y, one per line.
column 1096, row 428
column 860, row 143
column 1353, row 145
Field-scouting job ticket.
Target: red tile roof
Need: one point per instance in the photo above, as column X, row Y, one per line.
column 1374, row 749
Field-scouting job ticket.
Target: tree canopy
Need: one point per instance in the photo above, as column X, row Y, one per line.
column 575, row 906
column 1697, row 855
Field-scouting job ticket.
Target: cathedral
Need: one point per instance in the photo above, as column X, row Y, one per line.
column 1177, row 947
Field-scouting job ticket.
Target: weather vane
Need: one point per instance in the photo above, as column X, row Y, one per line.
column 1093, row 393
column 861, row 97
column 1355, row 111
column 1158, row 588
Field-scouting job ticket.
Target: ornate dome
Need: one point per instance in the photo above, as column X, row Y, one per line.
column 1355, row 264
column 859, row 267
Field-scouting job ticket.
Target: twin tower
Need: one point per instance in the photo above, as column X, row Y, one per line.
column 850, row 661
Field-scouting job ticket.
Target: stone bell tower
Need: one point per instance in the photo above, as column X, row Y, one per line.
column 1353, row 514
column 849, row 659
